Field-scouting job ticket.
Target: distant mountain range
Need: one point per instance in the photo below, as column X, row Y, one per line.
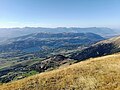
column 15, row 32
column 47, row 42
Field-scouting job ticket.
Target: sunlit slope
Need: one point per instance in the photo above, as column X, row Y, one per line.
column 101, row 73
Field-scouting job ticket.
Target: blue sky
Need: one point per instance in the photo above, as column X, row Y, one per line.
column 60, row 13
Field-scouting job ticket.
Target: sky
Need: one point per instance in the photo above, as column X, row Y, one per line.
column 59, row 13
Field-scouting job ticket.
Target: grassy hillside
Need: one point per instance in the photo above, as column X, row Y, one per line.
column 101, row 73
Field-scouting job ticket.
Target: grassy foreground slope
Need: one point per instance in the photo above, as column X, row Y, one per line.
column 101, row 73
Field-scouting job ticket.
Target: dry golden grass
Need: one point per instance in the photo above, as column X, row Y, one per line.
column 101, row 73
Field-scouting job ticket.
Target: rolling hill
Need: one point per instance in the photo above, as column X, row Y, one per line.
column 100, row 73
column 45, row 43
column 101, row 48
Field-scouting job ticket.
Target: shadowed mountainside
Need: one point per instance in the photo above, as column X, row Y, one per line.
column 101, row 48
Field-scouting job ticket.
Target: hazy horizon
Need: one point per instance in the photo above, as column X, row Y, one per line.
column 114, row 28
column 59, row 13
